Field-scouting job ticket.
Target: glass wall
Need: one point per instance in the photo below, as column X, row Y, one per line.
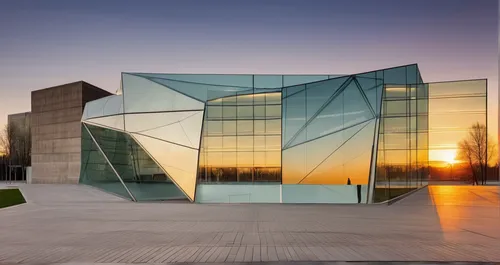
column 96, row 171
column 402, row 159
column 241, row 139
column 457, row 119
column 141, row 175
column 321, row 121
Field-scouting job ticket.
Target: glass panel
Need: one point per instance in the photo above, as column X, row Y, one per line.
column 245, row 143
column 143, row 177
column 395, row 108
column 143, row 95
column 458, row 88
column 259, row 99
column 213, row 143
column 229, row 127
column 411, row 74
column 395, row 92
column 95, row 170
column 294, row 164
column 292, row 80
column 268, row 81
column 273, row 98
column 458, row 105
column 245, row 174
column 143, row 122
column 245, row 127
column 395, row 75
column 396, row 141
column 294, row 116
column 422, row 123
column 186, row 131
column 395, row 125
column 260, row 143
column 113, row 122
column 229, row 143
column 273, row 111
column 348, row 164
column 356, row 109
column 245, row 112
column 319, row 93
column 273, row 142
column 214, row 112
column 245, row 100
column 369, row 87
column 247, row 153
column 214, row 127
column 229, row 112
column 328, row 121
column 273, row 158
column 260, row 112
column 259, row 126
column 273, row 126
column 422, row 106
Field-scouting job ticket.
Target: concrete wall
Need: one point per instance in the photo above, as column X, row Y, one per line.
column 56, row 131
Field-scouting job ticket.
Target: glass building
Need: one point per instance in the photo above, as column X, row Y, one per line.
column 360, row 138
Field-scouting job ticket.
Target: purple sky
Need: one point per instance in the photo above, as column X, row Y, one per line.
column 46, row 43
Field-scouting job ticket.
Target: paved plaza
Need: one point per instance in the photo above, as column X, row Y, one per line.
column 79, row 224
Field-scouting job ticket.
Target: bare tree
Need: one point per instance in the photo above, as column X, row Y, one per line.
column 478, row 150
column 7, row 143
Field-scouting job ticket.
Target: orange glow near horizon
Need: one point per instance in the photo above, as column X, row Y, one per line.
column 447, row 155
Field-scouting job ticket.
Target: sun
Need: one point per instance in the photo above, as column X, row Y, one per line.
column 449, row 156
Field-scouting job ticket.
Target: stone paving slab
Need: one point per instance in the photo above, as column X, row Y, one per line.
column 78, row 224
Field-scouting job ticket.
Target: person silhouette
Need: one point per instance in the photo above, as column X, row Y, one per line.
column 358, row 189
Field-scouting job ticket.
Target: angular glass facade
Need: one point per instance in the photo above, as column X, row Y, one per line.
column 358, row 138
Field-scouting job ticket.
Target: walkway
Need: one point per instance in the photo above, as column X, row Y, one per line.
column 65, row 223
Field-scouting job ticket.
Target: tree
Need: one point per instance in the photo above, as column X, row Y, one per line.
column 477, row 149
column 7, row 137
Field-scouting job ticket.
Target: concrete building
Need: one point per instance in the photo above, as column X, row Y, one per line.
column 56, row 130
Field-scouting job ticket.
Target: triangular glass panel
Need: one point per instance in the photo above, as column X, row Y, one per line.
column 320, row 92
column 293, row 164
column 113, row 122
column 96, row 171
column 293, row 80
column 294, row 116
column 106, row 106
column 329, row 120
column 180, row 163
column 143, row 95
column 370, row 86
column 335, row 169
column 356, row 109
column 141, row 122
column 289, row 91
column 209, row 79
column 142, row 176
column 318, row 150
column 182, row 128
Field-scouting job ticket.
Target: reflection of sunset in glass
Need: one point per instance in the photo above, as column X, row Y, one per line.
column 448, row 156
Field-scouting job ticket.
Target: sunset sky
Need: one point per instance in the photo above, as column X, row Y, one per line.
column 46, row 43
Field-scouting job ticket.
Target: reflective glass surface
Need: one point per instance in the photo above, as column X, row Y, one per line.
column 401, row 165
column 249, row 147
column 142, row 176
column 96, row 171
column 457, row 111
column 341, row 128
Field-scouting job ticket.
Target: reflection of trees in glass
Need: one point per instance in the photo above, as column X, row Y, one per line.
column 477, row 149
column 15, row 147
